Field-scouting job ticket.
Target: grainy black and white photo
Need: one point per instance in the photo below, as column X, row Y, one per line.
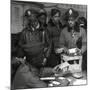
column 48, row 44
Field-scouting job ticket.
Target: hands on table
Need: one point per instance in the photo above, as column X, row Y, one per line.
column 67, row 51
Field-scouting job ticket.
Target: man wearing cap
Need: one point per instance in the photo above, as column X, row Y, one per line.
column 33, row 42
column 42, row 17
column 71, row 34
column 54, row 28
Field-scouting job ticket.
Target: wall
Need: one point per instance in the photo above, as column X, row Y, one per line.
column 16, row 18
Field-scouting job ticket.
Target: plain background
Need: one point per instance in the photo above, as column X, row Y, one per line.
column 5, row 43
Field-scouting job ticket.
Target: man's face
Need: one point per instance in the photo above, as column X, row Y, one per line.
column 35, row 23
column 71, row 21
column 42, row 19
column 56, row 17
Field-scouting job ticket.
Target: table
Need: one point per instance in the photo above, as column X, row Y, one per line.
column 73, row 81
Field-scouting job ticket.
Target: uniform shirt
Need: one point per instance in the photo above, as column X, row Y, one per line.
column 32, row 41
column 54, row 32
column 68, row 41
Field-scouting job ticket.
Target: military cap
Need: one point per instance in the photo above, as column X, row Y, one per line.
column 30, row 12
column 71, row 13
column 41, row 13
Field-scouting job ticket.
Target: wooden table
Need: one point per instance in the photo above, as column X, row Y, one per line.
column 73, row 81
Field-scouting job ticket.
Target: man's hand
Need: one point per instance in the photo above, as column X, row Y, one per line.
column 21, row 60
column 15, row 61
column 60, row 67
column 66, row 50
column 44, row 61
column 59, row 50
column 45, row 49
column 56, row 69
column 78, row 51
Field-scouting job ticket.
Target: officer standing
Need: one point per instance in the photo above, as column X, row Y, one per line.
column 71, row 34
column 54, row 28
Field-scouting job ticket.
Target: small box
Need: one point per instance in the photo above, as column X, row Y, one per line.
column 74, row 67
